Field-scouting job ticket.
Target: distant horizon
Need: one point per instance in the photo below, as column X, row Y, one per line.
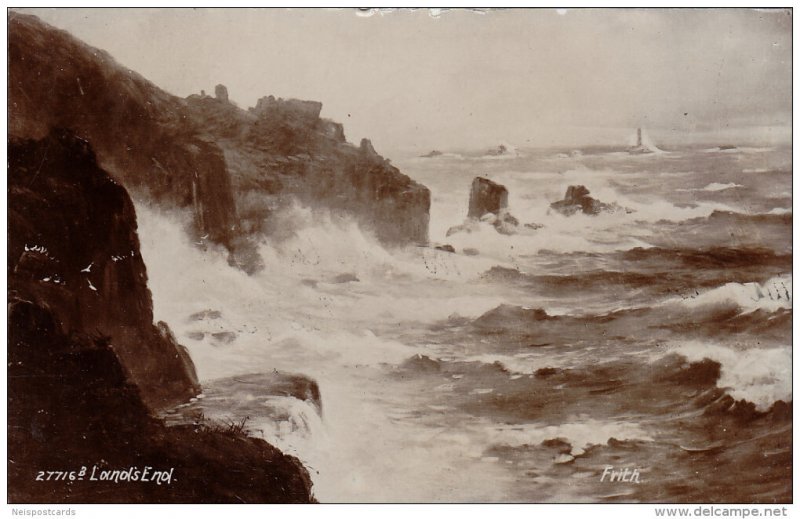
column 411, row 81
column 782, row 137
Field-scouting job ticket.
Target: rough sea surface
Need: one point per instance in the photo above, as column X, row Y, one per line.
column 656, row 338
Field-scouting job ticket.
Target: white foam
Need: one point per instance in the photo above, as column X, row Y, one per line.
column 760, row 376
column 291, row 424
column 581, row 433
column 530, row 196
column 780, row 210
column 773, row 295
column 714, row 186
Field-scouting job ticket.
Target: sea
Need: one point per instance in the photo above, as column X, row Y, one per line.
column 638, row 355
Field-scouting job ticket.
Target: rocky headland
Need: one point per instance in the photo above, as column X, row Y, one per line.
column 231, row 167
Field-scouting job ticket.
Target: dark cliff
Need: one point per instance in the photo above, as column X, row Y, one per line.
column 232, row 167
column 72, row 243
column 86, row 365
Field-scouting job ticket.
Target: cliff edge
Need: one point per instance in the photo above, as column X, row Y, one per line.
column 86, row 365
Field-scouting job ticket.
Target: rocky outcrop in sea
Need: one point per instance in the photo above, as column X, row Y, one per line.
column 577, row 200
column 488, row 202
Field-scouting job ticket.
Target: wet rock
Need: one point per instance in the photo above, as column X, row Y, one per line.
column 421, row 364
column 445, row 248
column 499, row 151
column 224, row 337
column 469, row 226
column 577, row 199
column 506, row 224
column 274, row 383
column 675, row 368
column 488, row 203
column 505, row 275
column 510, row 316
column 205, row 315
column 560, row 445
column 486, row 197
column 546, row 372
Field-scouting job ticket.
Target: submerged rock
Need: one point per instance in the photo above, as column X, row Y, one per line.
column 470, row 225
column 501, row 150
column 431, row 154
column 261, row 386
column 507, row 315
column 346, row 277
column 506, row 224
column 421, row 364
column 205, row 314
column 224, row 337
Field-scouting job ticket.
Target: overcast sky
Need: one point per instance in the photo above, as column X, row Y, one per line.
column 410, row 80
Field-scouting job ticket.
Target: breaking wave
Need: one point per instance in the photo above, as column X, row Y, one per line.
column 762, row 376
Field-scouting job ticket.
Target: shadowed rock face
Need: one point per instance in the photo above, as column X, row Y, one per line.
column 232, row 167
column 486, row 197
column 86, row 365
column 73, row 245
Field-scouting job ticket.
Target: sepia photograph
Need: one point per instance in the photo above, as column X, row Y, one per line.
column 392, row 256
